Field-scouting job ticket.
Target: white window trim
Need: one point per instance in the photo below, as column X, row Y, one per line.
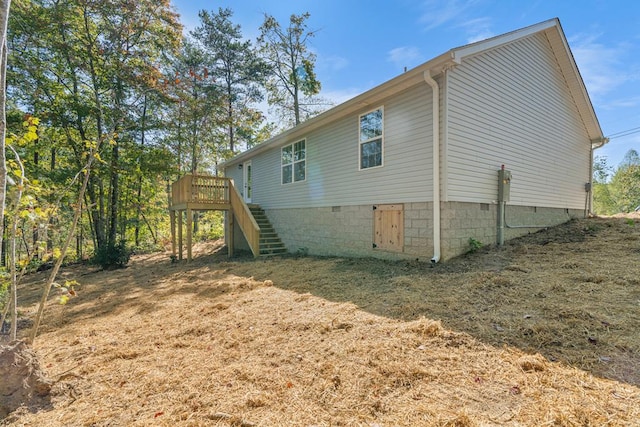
column 306, row 158
column 360, row 168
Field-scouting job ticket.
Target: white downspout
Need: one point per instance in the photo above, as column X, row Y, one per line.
column 435, row 111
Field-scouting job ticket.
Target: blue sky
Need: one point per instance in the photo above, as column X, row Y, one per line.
column 360, row 44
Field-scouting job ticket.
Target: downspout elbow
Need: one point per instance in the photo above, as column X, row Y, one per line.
column 597, row 143
column 435, row 110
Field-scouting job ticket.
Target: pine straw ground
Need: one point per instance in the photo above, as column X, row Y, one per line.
column 542, row 332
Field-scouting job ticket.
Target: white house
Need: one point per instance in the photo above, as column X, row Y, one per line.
column 410, row 169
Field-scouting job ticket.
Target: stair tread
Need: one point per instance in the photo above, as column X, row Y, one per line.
column 270, row 242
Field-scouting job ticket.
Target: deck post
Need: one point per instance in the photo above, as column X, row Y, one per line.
column 194, row 193
column 229, row 232
column 189, row 232
column 172, row 217
column 180, row 235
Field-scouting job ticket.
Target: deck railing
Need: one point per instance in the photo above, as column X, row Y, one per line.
column 201, row 192
column 245, row 219
column 200, row 189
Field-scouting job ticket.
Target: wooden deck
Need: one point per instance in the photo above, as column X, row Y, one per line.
column 204, row 192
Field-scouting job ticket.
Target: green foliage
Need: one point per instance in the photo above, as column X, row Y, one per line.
column 601, row 170
column 620, row 191
column 192, row 126
column 625, row 183
column 116, row 256
column 603, row 201
column 474, row 245
column 66, row 291
column 292, row 83
column 93, row 73
column 210, row 226
column 236, row 67
column 5, row 282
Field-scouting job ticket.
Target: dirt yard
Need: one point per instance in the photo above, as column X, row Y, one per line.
column 542, row 332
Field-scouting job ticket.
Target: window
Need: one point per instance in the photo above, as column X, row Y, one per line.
column 294, row 164
column 371, row 139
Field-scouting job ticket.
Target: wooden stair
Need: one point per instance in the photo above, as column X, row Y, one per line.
column 270, row 243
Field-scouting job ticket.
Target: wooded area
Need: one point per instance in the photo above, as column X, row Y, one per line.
column 119, row 81
column 108, row 103
column 617, row 189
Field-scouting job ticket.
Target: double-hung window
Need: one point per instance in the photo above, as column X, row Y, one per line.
column 294, row 162
column 371, row 139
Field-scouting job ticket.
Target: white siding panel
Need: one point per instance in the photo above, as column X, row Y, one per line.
column 333, row 175
column 235, row 173
column 512, row 106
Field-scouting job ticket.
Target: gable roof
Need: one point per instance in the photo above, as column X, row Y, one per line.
column 552, row 30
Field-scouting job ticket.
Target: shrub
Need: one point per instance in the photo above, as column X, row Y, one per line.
column 112, row 256
column 474, row 245
column 210, row 226
column 5, row 281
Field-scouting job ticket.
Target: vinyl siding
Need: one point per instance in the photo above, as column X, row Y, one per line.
column 333, row 177
column 235, row 173
column 512, row 106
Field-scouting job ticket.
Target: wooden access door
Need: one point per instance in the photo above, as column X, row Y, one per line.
column 388, row 227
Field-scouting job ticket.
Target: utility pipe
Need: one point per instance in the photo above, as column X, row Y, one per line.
column 501, row 222
column 435, row 113
column 506, row 224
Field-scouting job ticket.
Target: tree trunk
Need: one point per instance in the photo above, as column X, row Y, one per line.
column 143, row 121
column 36, row 228
column 296, row 105
column 13, row 258
column 230, row 119
column 151, row 231
column 113, row 202
column 4, row 18
column 96, row 213
column 179, row 136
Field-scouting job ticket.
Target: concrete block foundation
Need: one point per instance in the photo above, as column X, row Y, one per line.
column 348, row 230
